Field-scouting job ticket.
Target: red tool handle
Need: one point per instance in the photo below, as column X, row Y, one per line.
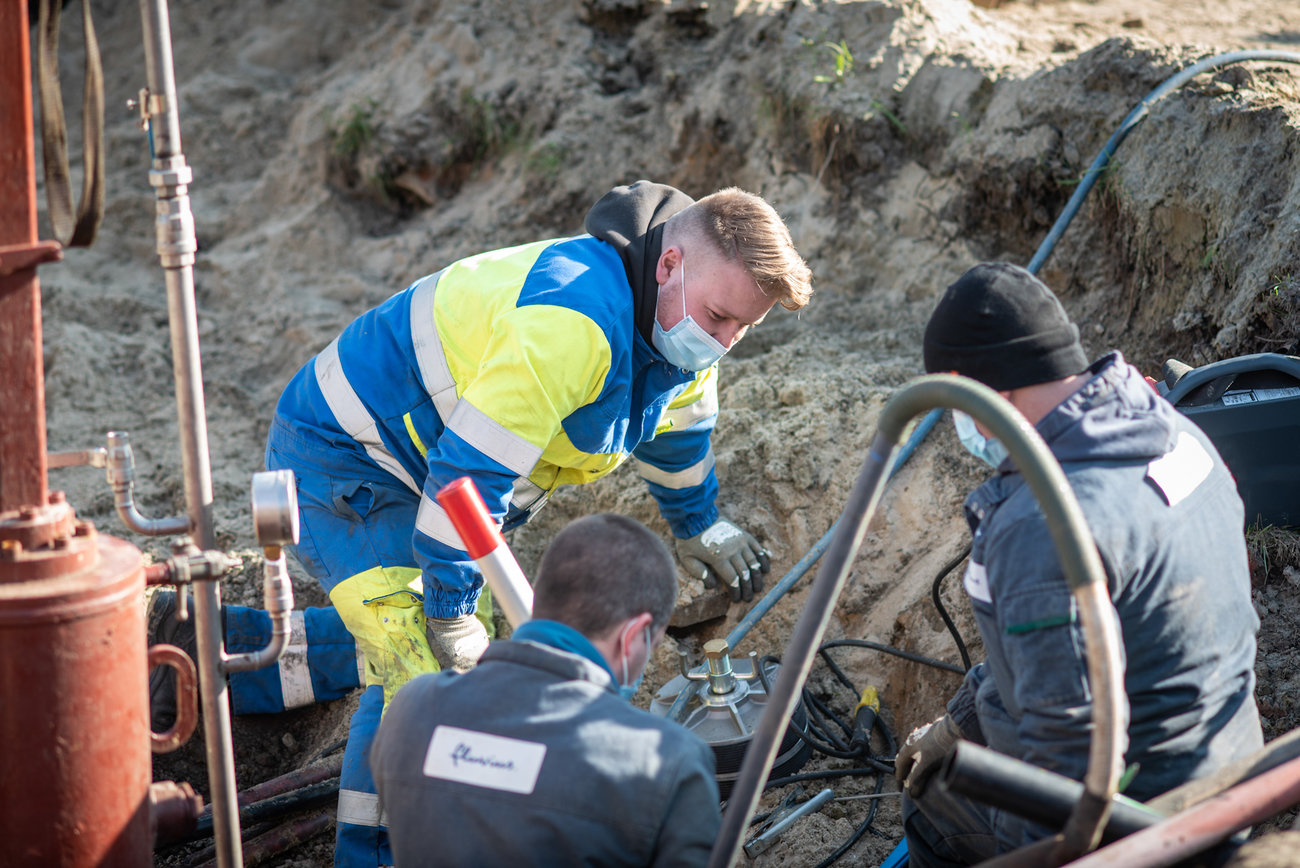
column 484, row 543
column 469, row 515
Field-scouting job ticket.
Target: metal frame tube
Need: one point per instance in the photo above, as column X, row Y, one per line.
column 798, row 658
column 1081, row 563
column 176, row 246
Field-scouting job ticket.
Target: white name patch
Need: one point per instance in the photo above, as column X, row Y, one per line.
column 1181, row 469
column 483, row 760
column 976, row 582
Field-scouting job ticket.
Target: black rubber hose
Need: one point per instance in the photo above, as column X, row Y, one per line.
column 897, row 652
column 943, row 611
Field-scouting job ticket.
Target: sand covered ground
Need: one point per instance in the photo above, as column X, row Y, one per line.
column 343, row 149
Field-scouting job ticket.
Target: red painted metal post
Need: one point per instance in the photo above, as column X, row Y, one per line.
column 74, row 713
column 22, row 385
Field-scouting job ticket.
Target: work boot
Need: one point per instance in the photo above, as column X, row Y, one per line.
column 163, row 629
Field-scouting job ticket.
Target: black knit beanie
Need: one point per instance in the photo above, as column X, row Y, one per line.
column 1002, row 326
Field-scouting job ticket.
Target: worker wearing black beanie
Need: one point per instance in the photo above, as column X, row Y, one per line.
column 1002, row 326
column 1166, row 520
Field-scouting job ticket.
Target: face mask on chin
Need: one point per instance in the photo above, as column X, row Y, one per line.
column 986, row 449
column 626, row 690
column 687, row 345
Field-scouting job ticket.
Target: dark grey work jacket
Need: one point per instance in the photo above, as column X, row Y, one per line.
column 1168, row 525
column 533, row 758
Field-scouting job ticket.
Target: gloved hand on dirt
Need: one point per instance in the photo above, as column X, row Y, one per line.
column 921, row 754
column 457, row 643
column 724, row 551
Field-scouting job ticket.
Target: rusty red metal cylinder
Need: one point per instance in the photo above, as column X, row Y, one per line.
column 75, row 764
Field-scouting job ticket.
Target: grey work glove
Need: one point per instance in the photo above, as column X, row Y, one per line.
column 922, row 753
column 724, row 551
column 457, row 643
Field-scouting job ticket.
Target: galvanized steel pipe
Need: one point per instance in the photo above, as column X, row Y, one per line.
column 176, row 245
column 277, row 593
column 120, row 471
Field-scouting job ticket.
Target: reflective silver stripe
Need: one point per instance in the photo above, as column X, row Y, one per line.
column 361, row 666
column 295, row 678
column 697, row 411
column 488, row 436
column 352, row 414
column 526, row 493
column 360, row 809
column 691, row 476
column 432, row 521
column 429, row 356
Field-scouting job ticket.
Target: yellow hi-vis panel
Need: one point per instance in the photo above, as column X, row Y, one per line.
column 698, row 402
column 506, row 359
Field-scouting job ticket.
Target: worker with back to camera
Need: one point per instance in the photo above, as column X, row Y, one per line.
column 526, row 369
column 1168, row 524
column 534, row 757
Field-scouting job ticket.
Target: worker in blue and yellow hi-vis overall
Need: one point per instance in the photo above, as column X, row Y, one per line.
column 526, row 369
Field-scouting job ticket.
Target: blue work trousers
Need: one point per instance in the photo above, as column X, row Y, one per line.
column 349, row 525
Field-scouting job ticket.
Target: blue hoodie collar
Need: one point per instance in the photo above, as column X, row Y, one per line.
column 563, row 637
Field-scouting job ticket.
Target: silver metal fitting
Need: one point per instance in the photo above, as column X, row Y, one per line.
column 275, row 508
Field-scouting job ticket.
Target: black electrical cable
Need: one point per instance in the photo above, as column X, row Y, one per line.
column 822, row 775
column 823, row 715
column 821, row 735
column 943, row 612
column 835, row 669
column 296, row 800
column 822, row 742
column 889, row 649
column 857, row 833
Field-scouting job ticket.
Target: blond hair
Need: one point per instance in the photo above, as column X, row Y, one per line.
column 746, row 229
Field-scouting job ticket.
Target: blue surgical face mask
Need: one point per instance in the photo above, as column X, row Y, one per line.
column 626, row 690
column 986, row 449
column 687, row 345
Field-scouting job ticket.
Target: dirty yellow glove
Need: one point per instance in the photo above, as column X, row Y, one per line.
column 923, row 752
column 724, row 551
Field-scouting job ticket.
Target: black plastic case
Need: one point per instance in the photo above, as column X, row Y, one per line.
column 1249, row 407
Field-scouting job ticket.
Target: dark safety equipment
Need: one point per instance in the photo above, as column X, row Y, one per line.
column 1249, row 407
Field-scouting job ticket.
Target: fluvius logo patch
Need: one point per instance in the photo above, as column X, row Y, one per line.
column 484, row 760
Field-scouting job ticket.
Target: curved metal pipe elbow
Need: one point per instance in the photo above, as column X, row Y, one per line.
column 120, row 471
column 277, row 594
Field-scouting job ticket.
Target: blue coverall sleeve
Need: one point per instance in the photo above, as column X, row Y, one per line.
column 678, row 464
column 452, row 580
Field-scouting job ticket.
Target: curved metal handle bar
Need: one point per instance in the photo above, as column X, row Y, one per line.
column 1079, row 559
column 1135, row 117
column 187, row 697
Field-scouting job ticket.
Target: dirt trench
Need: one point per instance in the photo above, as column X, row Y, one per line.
column 339, row 154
